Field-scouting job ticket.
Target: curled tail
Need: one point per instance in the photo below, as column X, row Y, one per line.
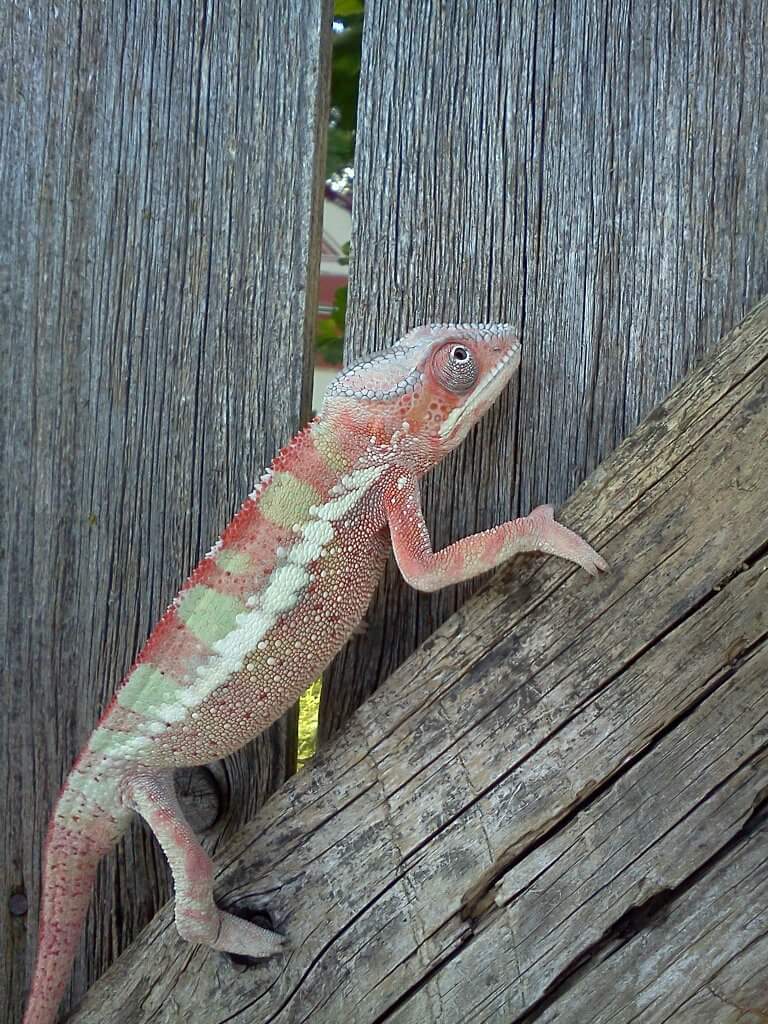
column 86, row 822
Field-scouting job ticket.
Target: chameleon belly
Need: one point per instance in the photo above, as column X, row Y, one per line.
column 279, row 668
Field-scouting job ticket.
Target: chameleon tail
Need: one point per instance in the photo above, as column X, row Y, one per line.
column 81, row 831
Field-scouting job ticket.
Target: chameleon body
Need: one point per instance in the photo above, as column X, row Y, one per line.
column 265, row 611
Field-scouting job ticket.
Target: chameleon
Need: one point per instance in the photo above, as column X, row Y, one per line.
column 265, row 611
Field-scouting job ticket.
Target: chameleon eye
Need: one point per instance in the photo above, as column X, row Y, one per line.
column 456, row 369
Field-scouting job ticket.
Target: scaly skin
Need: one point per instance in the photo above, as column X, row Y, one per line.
column 265, row 611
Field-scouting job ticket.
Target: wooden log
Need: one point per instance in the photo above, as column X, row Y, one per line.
column 597, row 173
column 558, row 799
column 157, row 300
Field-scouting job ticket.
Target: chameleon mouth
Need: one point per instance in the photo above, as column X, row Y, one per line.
column 512, row 352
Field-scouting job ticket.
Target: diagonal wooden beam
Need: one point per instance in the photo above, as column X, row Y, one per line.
column 559, row 798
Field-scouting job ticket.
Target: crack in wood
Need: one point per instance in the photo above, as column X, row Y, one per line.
column 646, row 915
column 328, row 944
column 736, row 1006
column 424, row 980
column 652, row 912
column 635, row 919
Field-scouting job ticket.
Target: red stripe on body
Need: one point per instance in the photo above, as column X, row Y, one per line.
column 174, row 649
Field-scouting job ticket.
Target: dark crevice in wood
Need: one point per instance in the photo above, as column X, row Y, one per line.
column 329, row 943
column 643, row 916
column 627, row 926
column 751, row 760
column 433, row 969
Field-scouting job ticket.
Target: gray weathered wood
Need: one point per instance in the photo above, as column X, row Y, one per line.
column 597, row 173
column 157, row 301
column 704, row 960
column 569, row 774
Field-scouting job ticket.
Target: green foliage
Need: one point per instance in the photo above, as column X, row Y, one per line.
column 345, row 80
column 309, row 707
column 345, row 8
column 330, row 330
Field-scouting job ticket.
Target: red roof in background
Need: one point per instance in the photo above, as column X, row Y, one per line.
column 329, row 284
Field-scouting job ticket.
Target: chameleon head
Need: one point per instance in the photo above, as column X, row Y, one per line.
column 429, row 388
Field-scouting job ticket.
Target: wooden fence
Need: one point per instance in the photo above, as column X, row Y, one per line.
column 597, row 172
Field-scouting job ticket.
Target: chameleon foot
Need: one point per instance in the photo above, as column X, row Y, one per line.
column 198, row 919
column 555, row 539
column 244, row 938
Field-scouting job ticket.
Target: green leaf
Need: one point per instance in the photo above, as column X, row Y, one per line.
column 329, row 336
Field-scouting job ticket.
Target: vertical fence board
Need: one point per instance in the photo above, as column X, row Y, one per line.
column 598, row 174
column 157, row 298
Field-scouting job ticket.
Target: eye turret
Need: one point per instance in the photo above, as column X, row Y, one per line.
column 456, row 369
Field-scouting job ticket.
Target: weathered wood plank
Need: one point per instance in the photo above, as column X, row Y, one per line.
column 578, row 892
column 596, row 172
column 157, row 299
column 711, row 946
column 562, row 758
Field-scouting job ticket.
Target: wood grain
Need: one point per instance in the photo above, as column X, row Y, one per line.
column 157, row 300
column 558, row 799
column 597, row 173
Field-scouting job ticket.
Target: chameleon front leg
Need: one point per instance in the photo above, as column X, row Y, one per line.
column 198, row 919
column 425, row 569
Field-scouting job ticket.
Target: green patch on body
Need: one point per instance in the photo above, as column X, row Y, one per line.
column 287, row 500
column 327, row 443
column 209, row 614
column 107, row 741
column 146, row 689
column 233, row 561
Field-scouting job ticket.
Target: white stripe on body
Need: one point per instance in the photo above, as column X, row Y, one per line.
column 282, row 593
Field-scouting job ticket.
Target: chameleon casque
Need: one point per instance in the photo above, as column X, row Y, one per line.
column 267, row 608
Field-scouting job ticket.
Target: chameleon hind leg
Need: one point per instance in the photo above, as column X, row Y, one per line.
column 198, row 919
